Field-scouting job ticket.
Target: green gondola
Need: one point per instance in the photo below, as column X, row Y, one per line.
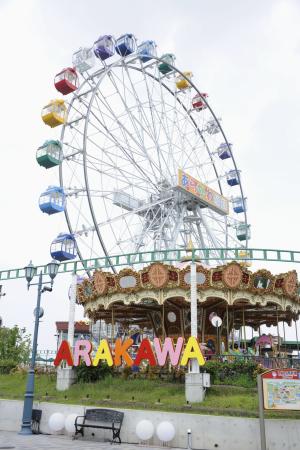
column 168, row 58
column 49, row 154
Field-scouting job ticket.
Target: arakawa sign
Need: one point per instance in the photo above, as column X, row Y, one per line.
column 157, row 354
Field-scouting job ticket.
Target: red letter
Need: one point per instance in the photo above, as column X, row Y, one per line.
column 64, row 354
column 145, row 352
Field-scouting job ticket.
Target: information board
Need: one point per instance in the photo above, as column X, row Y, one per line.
column 281, row 389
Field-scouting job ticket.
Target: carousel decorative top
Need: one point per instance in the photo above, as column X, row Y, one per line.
column 157, row 276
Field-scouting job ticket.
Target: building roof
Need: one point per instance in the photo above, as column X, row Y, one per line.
column 79, row 327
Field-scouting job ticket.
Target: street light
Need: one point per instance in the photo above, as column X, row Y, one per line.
column 30, row 272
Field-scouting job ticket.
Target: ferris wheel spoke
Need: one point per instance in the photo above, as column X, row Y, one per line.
column 114, row 167
column 163, row 127
column 124, row 150
column 136, row 123
column 128, row 113
column 151, row 106
column 143, row 116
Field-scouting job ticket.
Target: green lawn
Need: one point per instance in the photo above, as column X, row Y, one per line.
column 140, row 394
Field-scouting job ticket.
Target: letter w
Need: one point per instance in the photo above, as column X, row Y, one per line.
column 168, row 349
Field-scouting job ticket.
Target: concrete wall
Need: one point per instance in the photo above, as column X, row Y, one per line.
column 208, row 432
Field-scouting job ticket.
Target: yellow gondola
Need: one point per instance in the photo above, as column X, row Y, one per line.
column 55, row 113
column 181, row 82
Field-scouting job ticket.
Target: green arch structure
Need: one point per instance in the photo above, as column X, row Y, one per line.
column 168, row 256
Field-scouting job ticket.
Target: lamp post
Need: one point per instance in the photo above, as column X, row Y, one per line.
column 30, row 272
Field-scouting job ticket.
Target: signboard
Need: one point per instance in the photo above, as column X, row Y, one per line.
column 203, row 193
column 121, row 352
column 281, row 389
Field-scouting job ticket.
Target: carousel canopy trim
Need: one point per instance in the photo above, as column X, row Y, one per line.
column 158, row 276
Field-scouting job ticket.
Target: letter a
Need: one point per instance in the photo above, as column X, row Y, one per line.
column 64, row 354
column 145, row 352
column 103, row 353
column 192, row 351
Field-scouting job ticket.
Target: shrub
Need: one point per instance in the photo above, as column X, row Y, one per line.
column 91, row 374
column 7, row 366
column 232, row 370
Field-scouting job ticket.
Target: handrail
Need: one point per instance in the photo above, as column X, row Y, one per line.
column 168, row 256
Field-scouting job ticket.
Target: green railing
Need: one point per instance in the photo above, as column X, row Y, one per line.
column 205, row 255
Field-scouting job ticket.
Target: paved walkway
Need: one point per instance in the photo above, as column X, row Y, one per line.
column 12, row 440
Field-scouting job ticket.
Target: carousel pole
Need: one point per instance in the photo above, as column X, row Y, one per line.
column 203, row 324
column 244, row 328
column 232, row 333
column 227, row 327
column 163, row 321
column 112, row 326
column 297, row 337
column 284, row 336
column 278, row 332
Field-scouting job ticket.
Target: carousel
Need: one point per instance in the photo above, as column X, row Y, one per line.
column 156, row 299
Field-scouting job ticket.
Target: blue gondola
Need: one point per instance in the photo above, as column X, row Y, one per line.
column 233, row 177
column 126, row 44
column 63, row 247
column 53, row 200
column 243, row 232
column 224, row 151
column 239, row 205
column 104, row 47
column 146, row 50
column 212, row 126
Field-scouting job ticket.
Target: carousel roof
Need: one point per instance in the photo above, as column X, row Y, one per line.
column 253, row 298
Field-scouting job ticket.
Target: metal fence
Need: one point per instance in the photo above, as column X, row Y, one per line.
column 271, row 362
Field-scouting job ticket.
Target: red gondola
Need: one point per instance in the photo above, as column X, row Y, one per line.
column 198, row 102
column 66, row 81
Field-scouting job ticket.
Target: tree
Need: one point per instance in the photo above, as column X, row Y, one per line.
column 15, row 345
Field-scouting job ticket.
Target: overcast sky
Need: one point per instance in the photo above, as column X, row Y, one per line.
column 245, row 54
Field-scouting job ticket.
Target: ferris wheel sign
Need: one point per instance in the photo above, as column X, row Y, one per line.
column 202, row 192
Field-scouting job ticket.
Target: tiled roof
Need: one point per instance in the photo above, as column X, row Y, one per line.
column 79, row 327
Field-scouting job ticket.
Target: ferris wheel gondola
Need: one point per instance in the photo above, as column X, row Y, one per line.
column 146, row 164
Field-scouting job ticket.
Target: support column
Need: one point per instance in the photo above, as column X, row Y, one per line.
column 66, row 375
column 194, row 312
column 194, row 390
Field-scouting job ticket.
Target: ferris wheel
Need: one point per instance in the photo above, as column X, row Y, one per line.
column 144, row 163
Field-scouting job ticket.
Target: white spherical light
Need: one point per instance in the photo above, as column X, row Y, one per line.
column 144, row 430
column 165, row 431
column 56, row 422
column 70, row 423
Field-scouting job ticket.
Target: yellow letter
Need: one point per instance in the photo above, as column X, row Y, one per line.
column 191, row 351
column 103, row 352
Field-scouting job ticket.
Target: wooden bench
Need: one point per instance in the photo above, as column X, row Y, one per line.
column 106, row 419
